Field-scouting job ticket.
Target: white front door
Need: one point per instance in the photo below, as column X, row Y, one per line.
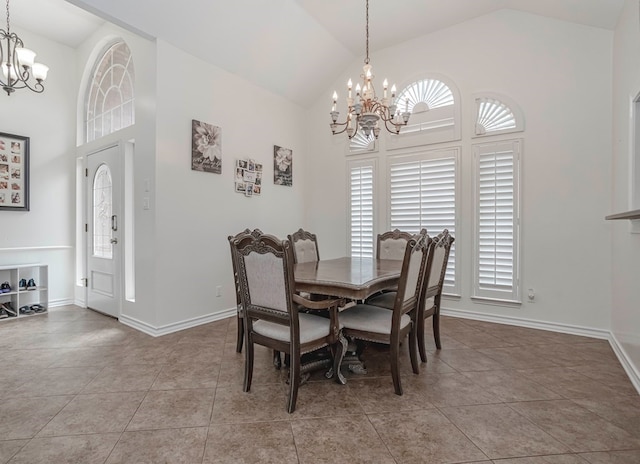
column 103, row 231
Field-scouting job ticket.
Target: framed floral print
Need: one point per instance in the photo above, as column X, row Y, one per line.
column 206, row 147
column 14, row 172
column 282, row 166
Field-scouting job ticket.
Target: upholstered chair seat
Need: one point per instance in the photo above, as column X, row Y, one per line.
column 369, row 318
column 311, row 328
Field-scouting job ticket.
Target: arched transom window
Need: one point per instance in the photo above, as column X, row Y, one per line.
column 110, row 97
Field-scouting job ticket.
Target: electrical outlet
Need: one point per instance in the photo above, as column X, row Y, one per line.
column 531, row 295
column 219, row 290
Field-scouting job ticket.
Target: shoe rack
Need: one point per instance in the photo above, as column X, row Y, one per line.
column 20, row 297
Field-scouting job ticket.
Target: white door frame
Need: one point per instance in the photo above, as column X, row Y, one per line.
column 88, row 204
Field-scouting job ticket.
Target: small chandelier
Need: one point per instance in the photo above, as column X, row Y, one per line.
column 18, row 65
column 365, row 111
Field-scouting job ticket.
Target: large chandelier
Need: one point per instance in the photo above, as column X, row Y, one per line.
column 18, row 67
column 365, row 111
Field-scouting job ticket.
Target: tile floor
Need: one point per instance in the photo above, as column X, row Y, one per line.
column 78, row 387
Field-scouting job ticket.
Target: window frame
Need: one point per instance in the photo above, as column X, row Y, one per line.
column 429, row 154
column 355, row 164
column 479, row 294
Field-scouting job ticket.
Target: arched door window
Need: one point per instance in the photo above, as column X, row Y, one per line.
column 110, row 96
column 102, row 212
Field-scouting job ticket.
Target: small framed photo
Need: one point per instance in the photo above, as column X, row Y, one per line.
column 249, row 176
column 249, row 190
column 14, row 172
column 241, row 187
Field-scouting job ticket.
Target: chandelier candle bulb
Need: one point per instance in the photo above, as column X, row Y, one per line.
column 385, row 84
column 335, row 100
column 349, row 86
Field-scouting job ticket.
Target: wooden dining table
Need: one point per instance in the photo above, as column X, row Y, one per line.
column 349, row 278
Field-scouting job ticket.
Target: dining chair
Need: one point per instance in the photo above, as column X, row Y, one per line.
column 392, row 244
column 429, row 305
column 372, row 323
column 305, row 246
column 432, row 293
column 239, row 312
column 270, row 304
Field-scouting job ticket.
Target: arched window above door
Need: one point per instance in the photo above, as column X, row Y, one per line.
column 110, row 94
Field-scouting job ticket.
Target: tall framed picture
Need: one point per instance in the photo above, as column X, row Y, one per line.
column 206, row 147
column 14, row 172
column 282, row 166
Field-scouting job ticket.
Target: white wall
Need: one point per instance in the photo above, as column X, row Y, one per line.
column 560, row 75
column 625, row 248
column 196, row 211
column 45, row 234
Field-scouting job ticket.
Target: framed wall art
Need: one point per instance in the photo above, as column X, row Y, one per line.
column 248, row 179
column 282, row 166
column 206, row 147
column 14, row 172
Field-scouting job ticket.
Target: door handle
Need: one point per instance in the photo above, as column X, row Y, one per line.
column 114, row 222
column 114, row 241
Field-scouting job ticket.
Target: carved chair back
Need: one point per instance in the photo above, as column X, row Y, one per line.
column 305, row 246
column 392, row 244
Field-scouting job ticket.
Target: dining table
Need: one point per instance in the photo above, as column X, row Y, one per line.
column 353, row 279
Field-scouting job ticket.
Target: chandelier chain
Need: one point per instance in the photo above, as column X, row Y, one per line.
column 8, row 27
column 366, row 60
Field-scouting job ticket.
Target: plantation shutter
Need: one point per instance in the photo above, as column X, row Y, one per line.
column 361, row 214
column 497, row 220
column 423, row 195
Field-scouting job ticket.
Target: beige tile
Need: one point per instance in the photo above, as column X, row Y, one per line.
column 500, row 432
column 194, row 352
column 575, row 426
column 553, row 459
column 57, row 381
column 518, row 357
column 88, row 357
column 25, row 417
column 261, row 403
column 623, row 411
column 568, row 383
column 96, row 413
column 124, row 378
column 454, row 390
column 185, row 375
column 173, row 409
column 345, row 439
column 613, row 457
column 86, row 449
column 9, row 448
column 478, row 339
column 175, row 446
column 326, row 398
column 469, row 360
column 510, row 386
column 424, row 436
column 376, row 395
column 270, row 443
column 609, row 374
column 232, row 369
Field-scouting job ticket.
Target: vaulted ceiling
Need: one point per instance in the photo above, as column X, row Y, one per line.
column 294, row 48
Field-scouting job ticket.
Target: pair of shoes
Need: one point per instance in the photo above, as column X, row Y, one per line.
column 5, row 287
column 38, row 308
column 25, row 310
column 6, row 307
column 31, row 285
column 22, row 285
column 3, row 314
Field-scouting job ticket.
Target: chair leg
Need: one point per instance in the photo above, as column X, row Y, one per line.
column 413, row 350
column 294, row 382
column 436, row 328
column 395, row 368
column 240, row 336
column 420, row 337
column 248, row 366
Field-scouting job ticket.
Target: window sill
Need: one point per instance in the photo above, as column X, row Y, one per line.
column 496, row 301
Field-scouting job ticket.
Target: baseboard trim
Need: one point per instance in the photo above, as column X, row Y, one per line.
column 528, row 323
column 625, row 360
column 176, row 326
column 61, row 302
